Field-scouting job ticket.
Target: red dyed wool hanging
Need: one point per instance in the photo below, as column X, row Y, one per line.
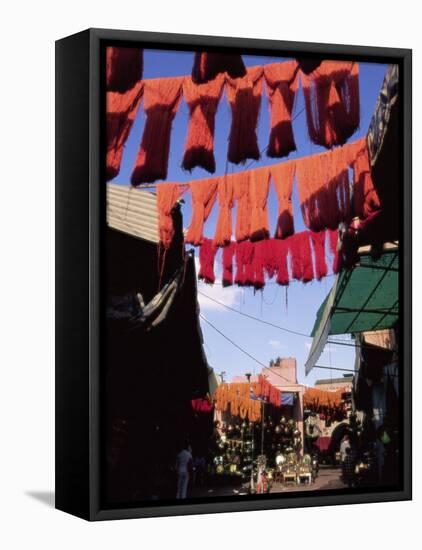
column 331, row 94
column 228, row 253
column 365, row 197
column 244, row 95
column 323, row 185
column 243, row 207
column 301, row 257
column 204, row 193
column 281, row 252
column 333, row 242
column 207, row 66
column 123, row 68
column 318, row 243
column 161, row 101
column 259, row 186
column 121, row 112
column 167, row 196
column 202, row 100
column 244, row 254
column 282, row 82
column 283, row 176
column 207, row 254
column 223, row 230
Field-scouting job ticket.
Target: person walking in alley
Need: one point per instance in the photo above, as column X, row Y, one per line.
column 183, row 467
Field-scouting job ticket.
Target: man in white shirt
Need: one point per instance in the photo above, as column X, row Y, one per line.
column 183, row 465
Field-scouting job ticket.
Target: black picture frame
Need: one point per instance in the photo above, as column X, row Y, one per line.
column 80, row 222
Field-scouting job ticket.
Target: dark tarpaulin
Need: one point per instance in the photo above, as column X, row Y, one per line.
column 152, row 371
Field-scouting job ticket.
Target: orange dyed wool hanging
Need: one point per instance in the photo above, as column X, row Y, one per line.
column 244, row 95
column 123, row 68
column 207, row 66
column 281, row 79
column 283, row 176
column 331, row 94
column 243, row 208
column 161, row 101
column 167, row 196
column 202, row 100
column 365, row 197
column 204, row 193
column 223, row 230
column 121, row 112
column 259, row 186
column 323, row 185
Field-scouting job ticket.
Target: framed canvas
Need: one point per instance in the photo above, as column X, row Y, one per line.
column 233, row 277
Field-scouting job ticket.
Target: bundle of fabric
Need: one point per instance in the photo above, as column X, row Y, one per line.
column 256, row 261
column 301, row 257
column 282, row 83
column 167, row 196
column 207, row 65
column 259, row 186
column 283, row 176
column 204, row 194
column 236, row 397
column 332, row 105
column 244, row 95
column 323, row 185
column 202, row 100
column 161, row 100
column 241, row 183
column 123, row 68
column 264, row 389
column 365, row 197
column 207, row 254
column 314, row 397
column 307, row 65
column 225, row 193
column 121, row 112
column 202, row 405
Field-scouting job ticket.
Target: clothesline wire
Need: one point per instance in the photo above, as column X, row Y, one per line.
column 290, row 331
column 242, row 349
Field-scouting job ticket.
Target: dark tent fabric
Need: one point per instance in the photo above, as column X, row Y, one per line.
column 151, row 372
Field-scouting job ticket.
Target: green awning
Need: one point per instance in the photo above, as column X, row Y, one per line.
column 362, row 299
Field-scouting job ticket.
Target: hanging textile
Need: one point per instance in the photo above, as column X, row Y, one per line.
column 282, row 82
column 202, row 101
column 259, row 186
column 331, row 95
column 333, row 241
column 244, row 253
column 244, row 95
column 201, row 405
column 207, row 254
column 301, row 257
column 281, row 253
column 283, row 176
column 207, row 66
column 123, row 68
column 228, row 253
column 121, row 112
column 323, row 185
column 365, row 197
column 243, row 211
column 318, row 243
column 167, row 196
column 161, row 100
column 314, row 397
column 223, row 230
column 308, row 65
column 204, row 193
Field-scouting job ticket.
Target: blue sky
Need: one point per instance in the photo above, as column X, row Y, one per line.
column 294, row 307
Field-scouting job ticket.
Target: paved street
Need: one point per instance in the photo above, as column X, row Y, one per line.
column 328, row 478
